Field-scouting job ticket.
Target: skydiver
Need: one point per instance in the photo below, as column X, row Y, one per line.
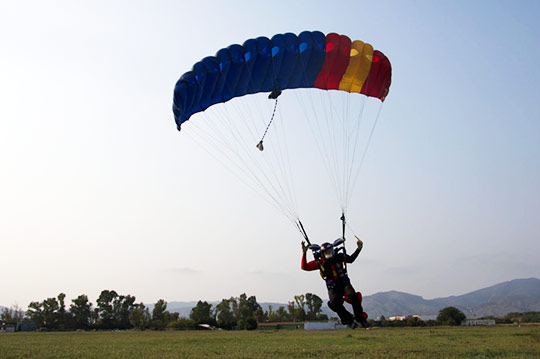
column 333, row 270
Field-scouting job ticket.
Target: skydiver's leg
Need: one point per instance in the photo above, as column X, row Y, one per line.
column 357, row 306
column 355, row 302
column 335, row 296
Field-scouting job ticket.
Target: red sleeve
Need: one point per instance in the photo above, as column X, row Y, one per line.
column 308, row 266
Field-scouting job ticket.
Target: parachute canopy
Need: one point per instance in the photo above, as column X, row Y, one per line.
column 286, row 61
column 342, row 121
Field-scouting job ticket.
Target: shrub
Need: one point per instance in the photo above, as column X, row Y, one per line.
column 451, row 316
column 181, row 324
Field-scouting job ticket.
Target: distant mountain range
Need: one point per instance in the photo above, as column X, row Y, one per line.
column 518, row 295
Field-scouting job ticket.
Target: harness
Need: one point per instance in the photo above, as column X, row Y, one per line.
column 333, row 271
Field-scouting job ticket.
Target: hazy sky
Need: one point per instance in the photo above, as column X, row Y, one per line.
column 98, row 190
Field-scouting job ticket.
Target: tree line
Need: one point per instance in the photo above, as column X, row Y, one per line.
column 515, row 317
column 116, row 311
column 446, row 316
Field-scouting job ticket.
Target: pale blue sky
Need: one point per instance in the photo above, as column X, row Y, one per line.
column 99, row 191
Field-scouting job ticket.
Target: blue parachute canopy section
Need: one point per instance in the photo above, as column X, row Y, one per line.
column 286, row 61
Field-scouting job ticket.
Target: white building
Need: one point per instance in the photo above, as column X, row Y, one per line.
column 323, row 326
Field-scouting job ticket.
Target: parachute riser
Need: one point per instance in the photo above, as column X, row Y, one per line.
column 343, row 224
column 303, row 232
column 315, row 248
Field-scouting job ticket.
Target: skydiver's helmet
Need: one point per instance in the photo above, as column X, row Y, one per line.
column 327, row 250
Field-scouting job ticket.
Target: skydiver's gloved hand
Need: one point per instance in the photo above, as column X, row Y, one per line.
column 304, row 247
column 359, row 243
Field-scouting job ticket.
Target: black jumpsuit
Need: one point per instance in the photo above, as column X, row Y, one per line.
column 334, row 272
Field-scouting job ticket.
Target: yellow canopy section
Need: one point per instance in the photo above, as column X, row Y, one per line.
column 359, row 66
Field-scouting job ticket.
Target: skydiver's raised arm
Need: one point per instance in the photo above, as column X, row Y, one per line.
column 307, row 266
column 351, row 258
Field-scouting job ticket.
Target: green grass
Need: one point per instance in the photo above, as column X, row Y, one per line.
column 430, row 342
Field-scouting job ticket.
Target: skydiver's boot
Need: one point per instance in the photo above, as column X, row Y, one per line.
column 365, row 324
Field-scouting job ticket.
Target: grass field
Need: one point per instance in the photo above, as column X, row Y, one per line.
column 430, row 342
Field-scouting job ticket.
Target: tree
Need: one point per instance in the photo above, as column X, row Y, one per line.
column 527, row 317
column 139, row 317
column 35, row 313
column 451, row 316
column 242, row 312
column 300, row 301
column 122, row 306
column 234, row 307
column 81, row 310
column 414, row 322
column 314, row 305
column 171, row 317
column 114, row 310
column 251, row 323
column 94, row 318
column 64, row 317
column 225, row 315
column 202, row 313
column 260, row 315
column 296, row 312
column 269, row 313
column 159, row 315
column 50, row 313
column 12, row 315
column 248, row 310
column 105, row 309
column 291, row 307
column 280, row 315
